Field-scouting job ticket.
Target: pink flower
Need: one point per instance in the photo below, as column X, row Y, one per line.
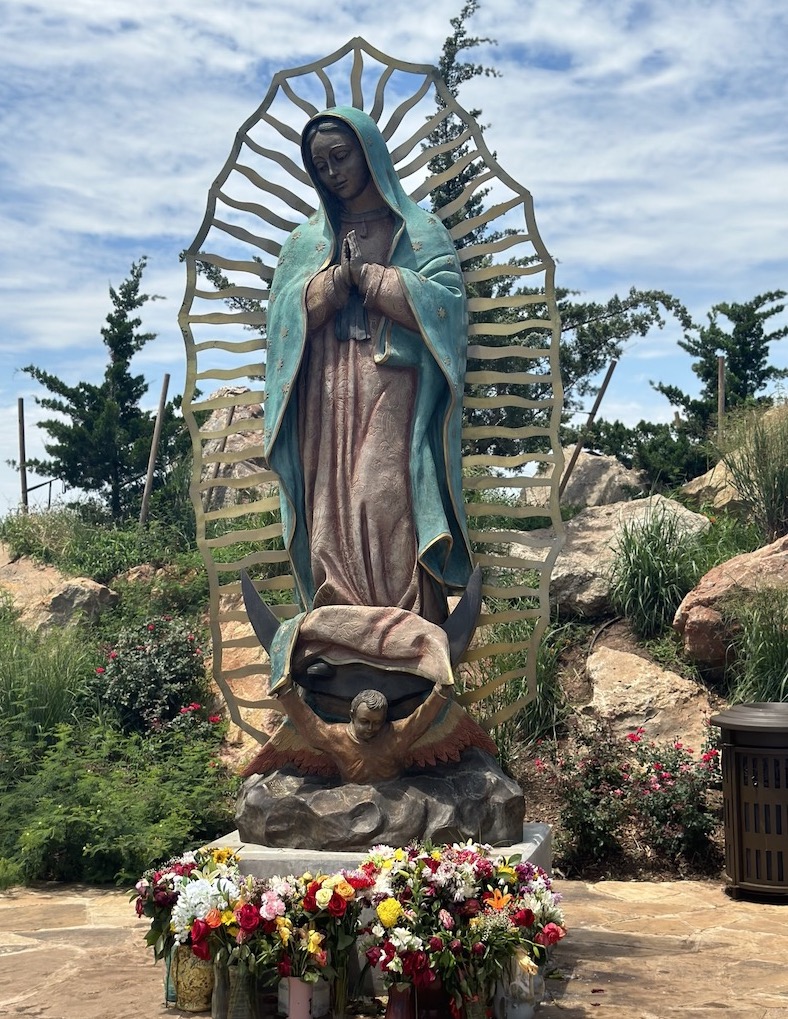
column 151, row 626
column 214, row 719
column 112, row 655
column 550, row 934
column 539, row 764
column 271, row 906
column 446, row 919
column 100, row 670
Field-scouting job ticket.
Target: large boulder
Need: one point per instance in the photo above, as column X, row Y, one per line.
column 596, row 480
column 580, row 582
column 699, row 619
column 715, row 490
column 630, row 691
column 75, row 599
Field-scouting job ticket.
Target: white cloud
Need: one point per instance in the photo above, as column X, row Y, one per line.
column 650, row 134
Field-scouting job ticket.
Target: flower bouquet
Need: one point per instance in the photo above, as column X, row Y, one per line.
column 457, row 915
column 169, row 894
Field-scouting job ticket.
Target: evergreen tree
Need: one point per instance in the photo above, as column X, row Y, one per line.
column 746, row 350
column 102, row 442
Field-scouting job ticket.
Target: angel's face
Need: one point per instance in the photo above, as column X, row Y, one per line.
column 367, row 722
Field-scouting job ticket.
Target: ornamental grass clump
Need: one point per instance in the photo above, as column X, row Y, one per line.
column 655, row 565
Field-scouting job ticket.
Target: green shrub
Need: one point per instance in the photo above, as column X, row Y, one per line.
column 760, row 647
column 756, row 455
column 151, row 672
column 100, row 805
column 618, row 792
column 655, row 565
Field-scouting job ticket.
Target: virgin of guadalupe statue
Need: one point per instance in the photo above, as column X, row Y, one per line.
column 364, row 380
column 367, row 336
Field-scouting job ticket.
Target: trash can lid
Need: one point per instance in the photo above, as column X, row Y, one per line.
column 756, row 715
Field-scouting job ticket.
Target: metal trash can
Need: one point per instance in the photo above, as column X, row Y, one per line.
column 755, row 796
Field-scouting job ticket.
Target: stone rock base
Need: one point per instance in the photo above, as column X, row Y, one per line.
column 451, row 802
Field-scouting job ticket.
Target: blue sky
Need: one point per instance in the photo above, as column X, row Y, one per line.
column 652, row 135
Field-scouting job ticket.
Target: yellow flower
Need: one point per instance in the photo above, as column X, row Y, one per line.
column 284, row 929
column 507, row 871
column 389, row 911
column 399, row 854
column 323, row 896
column 436, row 855
column 222, row 855
column 314, row 941
column 526, row 963
column 228, row 917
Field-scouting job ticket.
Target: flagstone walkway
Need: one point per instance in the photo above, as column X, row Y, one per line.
column 634, row 951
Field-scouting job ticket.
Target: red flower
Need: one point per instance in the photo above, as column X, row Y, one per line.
column 470, row 907
column 435, row 943
column 199, row 935
column 202, row 950
column 359, row 880
column 284, row 967
column 214, row 719
column 477, row 948
column 523, row 918
column 374, row 955
column 337, row 906
column 416, row 965
column 310, row 903
column 151, row 626
column 100, row 670
column 248, row 917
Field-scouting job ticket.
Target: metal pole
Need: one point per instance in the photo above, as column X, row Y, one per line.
column 578, row 448
column 20, row 403
column 720, row 395
column 154, row 447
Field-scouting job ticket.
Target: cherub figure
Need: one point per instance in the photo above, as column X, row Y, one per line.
column 367, row 749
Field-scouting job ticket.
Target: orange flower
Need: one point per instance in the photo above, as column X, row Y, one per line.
column 497, row 900
column 213, row 918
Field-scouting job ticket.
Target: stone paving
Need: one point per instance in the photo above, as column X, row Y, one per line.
column 634, row 950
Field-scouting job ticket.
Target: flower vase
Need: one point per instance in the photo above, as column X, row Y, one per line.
column 432, row 1001
column 339, row 992
column 193, row 980
column 170, row 994
column 476, row 1009
column 220, row 999
column 299, row 998
column 401, row 1003
column 242, row 1000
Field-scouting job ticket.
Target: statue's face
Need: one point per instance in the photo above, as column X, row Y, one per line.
column 367, row 722
column 340, row 165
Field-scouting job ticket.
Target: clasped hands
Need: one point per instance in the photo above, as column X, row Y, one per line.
column 351, row 261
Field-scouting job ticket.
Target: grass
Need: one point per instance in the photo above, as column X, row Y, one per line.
column 760, row 668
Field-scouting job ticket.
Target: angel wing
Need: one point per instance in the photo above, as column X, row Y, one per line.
column 288, row 747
